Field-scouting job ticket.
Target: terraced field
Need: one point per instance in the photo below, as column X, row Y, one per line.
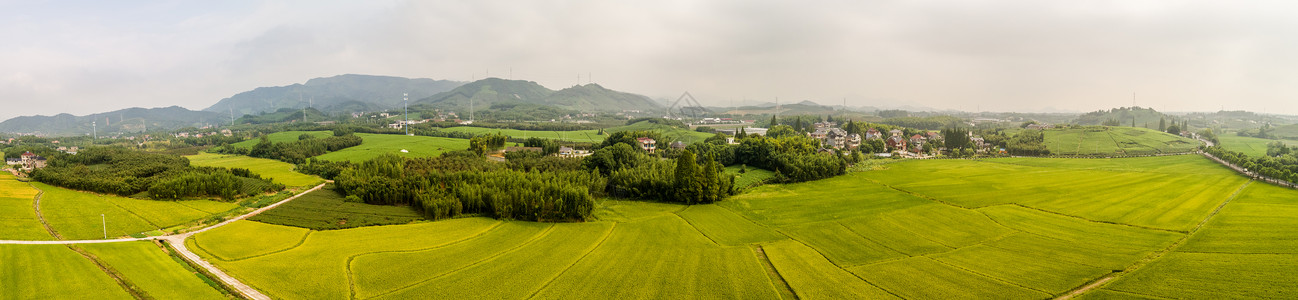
column 1104, row 140
column 375, row 145
column 1026, row 228
column 17, row 215
column 278, row 171
column 76, row 215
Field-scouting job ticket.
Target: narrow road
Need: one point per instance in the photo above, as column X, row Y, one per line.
column 177, row 241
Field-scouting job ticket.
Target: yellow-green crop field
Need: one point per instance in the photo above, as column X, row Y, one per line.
column 1012, row 228
column 278, row 171
column 76, row 215
column 18, row 219
column 59, row 272
column 375, row 145
column 1114, row 140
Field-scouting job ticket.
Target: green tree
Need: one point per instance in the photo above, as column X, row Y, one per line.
column 688, row 187
column 1162, row 124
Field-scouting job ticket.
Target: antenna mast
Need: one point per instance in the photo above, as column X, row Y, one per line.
column 95, row 130
column 405, row 98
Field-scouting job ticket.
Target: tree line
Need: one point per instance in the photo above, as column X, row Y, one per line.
column 125, row 172
column 1283, row 167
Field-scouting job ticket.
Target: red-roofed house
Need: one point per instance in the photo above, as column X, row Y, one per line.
column 647, row 144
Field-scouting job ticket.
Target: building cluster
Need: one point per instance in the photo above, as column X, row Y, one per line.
column 223, row 132
column 27, row 161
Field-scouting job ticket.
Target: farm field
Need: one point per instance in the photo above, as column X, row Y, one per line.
column 326, row 209
column 1254, row 147
column 375, row 145
column 281, row 137
column 76, row 215
column 18, row 219
column 750, row 178
column 1026, row 228
column 1107, row 140
column 53, row 272
column 278, row 171
column 153, row 271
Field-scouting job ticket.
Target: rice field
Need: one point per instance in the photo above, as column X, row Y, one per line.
column 53, row 272
column 375, row 145
column 325, row 209
column 76, row 215
column 277, row 171
column 1015, row 228
column 18, row 219
column 154, row 272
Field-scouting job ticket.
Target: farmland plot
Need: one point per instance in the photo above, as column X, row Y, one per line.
column 375, row 145
column 326, row 209
column 53, row 272
column 156, row 273
column 278, row 171
column 76, row 215
column 925, row 278
column 813, row 277
column 234, row 241
column 18, row 219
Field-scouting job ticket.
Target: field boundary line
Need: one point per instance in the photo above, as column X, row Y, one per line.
column 299, row 244
column 918, row 195
column 1092, row 221
column 822, row 255
column 351, row 281
column 994, row 278
column 574, row 263
column 36, row 204
column 137, row 215
column 112, row 273
column 853, row 231
column 696, row 228
column 1238, row 253
column 1156, row 255
column 529, row 241
column 759, row 253
column 1138, row 294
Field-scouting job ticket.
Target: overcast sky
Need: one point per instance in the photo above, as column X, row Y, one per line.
column 1031, row 55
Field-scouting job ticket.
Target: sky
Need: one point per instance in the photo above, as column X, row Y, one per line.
column 1023, row 56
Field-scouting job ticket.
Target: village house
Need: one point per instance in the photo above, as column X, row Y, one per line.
column 836, row 138
column 917, row 143
column 678, row 145
column 896, row 142
column 648, row 144
column 873, row 134
column 1040, row 126
column 32, row 161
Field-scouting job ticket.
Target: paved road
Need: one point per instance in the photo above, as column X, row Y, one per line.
column 177, row 241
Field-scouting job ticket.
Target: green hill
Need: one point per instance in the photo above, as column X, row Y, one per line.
column 342, row 93
column 130, row 120
column 1111, row 140
column 490, row 92
column 1124, row 116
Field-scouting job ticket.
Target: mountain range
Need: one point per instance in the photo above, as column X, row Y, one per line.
column 130, row 120
column 484, row 93
column 342, row 93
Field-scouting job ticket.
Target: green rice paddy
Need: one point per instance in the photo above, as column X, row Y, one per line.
column 1255, row 147
column 1105, row 140
column 278, row 171
column 76, row 215
column 282, row 137
column 375, row 145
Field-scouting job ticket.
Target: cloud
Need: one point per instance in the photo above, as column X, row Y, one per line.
column 993, row 55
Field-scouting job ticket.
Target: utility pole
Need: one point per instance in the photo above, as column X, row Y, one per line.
column 95, row 130
column 405, row 98
column 104, row 221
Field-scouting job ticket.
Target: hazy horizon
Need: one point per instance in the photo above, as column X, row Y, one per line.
column 1022, row 56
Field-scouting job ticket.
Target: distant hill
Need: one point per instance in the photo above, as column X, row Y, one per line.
column 1124, row 115
column 130, row 120
column 487, row 92
column 342, row 93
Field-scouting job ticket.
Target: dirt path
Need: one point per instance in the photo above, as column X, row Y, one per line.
column 177, row 241
column 37, row 206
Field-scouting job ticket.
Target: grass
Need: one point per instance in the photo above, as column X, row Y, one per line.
column 317, row 269
column 1097, row 140
column 282, row 137
column 278, row 171
column 18, row 219
column 326, row 209
column 150, row 269
column 76, row 215
column 727, row 228
column 813, row 277
column 750, row 178
column 231, row 242
column 1253, row 147
column 375, row 145
column 53, row 272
